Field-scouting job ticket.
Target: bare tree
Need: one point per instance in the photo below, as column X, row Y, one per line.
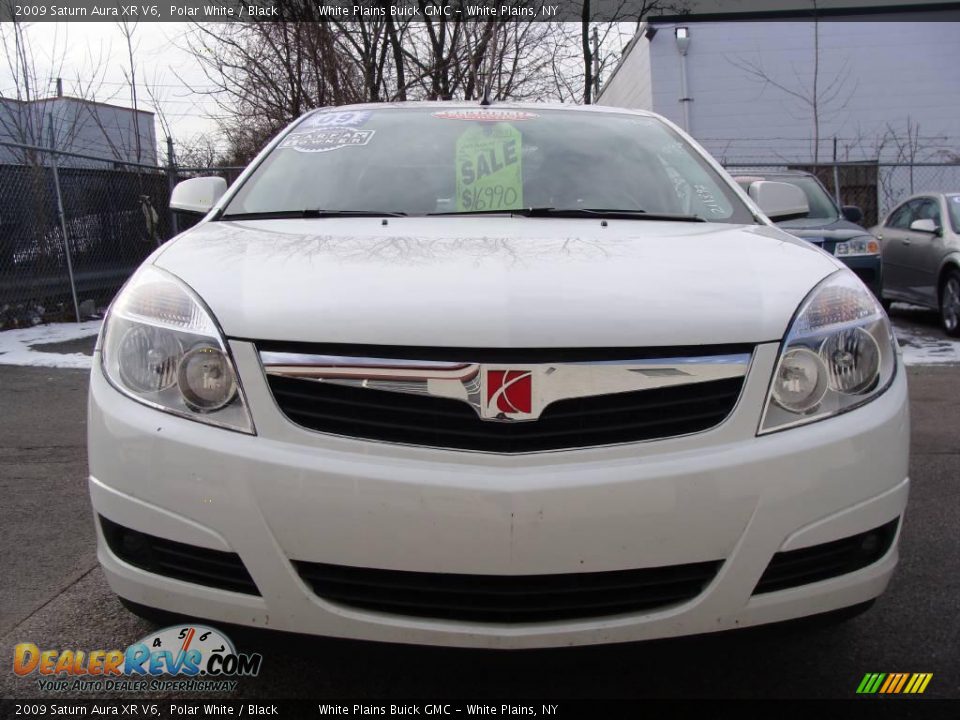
column 203, row 150
column 266, row 74
column 25, row 113
column 598, row 27
column 819, row 97
column 128, row 29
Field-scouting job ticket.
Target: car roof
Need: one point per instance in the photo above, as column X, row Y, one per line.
column 931, row 194
column 773, row 173
column 476, row 105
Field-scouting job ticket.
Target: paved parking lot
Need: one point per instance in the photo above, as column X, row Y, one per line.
column 52, row 592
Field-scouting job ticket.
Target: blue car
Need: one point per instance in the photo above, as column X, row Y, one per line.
column 832, row 228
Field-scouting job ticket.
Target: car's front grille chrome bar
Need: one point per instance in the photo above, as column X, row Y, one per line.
column 467, row 381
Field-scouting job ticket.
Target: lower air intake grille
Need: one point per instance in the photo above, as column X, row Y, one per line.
column 508, row 598
column 213, row 568
column 822, row 562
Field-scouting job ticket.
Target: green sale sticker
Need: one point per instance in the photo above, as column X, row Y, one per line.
column 489, row 175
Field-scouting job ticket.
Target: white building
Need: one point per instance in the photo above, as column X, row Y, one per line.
column 106, row 133
column 743, row 84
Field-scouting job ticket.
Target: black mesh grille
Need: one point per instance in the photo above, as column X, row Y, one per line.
column 822, row 562
column 508, row 598
column 213, row 568
column 440, row 422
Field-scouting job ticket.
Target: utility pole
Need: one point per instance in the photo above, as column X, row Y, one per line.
column 596, row 64
column 171, row 183
column 62, row 217
column 836, row 172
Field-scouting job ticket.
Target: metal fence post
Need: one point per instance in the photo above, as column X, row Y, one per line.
column 171, row 181
column 836, row 174
column 63, row 221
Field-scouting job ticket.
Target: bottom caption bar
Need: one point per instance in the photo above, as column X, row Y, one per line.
column 606, row 708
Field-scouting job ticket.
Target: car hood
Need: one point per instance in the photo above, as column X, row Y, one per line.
column 497, row 281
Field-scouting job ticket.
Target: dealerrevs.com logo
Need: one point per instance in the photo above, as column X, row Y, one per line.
column 196, row 657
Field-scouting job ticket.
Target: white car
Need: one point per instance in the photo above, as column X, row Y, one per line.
column 499, row 376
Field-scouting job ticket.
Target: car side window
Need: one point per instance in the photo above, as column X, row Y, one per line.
column 901, row 217
column 927, row 209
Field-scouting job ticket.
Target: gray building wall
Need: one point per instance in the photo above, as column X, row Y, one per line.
column 88, row 128
column 887, row 91
column 875, row 79
column 631, row 84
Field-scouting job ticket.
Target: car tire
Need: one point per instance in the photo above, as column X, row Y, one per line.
column 950, row 303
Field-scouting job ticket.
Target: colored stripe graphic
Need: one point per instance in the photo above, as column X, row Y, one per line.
column 903, row 681
column 892, row 679
column 894, row 683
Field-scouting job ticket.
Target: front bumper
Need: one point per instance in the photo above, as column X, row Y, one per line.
column 291, row 494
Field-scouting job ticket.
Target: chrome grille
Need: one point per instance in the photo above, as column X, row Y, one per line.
column 440, row 403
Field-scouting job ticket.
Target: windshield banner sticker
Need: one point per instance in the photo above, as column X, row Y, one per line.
column 326, row 139
column 485, row 115
column 489, row 173
column 348, row 118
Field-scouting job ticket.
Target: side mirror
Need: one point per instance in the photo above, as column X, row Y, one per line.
column 925, row 225
column 197, row 195
column 780, row 201
column 852, row 213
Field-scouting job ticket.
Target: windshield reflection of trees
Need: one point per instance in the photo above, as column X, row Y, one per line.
column 231, row 246
column 230, row 242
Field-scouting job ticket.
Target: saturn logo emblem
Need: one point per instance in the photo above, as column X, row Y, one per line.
column 508, row 395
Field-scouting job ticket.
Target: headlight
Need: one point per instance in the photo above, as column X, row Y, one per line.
column 857, row 246
column 162, row 347
column 839, row 353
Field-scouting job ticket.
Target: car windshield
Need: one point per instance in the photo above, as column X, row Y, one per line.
column 458, row 159
column 821, row 204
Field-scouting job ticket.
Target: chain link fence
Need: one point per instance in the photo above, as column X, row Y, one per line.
column 71, row 235
column 74, row 227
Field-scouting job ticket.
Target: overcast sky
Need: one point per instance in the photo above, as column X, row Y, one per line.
column 78, row 48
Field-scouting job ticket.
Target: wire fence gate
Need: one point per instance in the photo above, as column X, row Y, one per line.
column 74, row 227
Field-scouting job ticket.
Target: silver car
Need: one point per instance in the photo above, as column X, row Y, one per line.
column 920, row 243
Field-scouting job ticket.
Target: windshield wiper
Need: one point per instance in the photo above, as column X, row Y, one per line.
column 608, row 214
column 284, row 214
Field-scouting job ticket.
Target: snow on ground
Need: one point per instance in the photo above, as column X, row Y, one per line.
column 921, row 347
column 20, row 347
column 921, row 337
column 923, row 342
